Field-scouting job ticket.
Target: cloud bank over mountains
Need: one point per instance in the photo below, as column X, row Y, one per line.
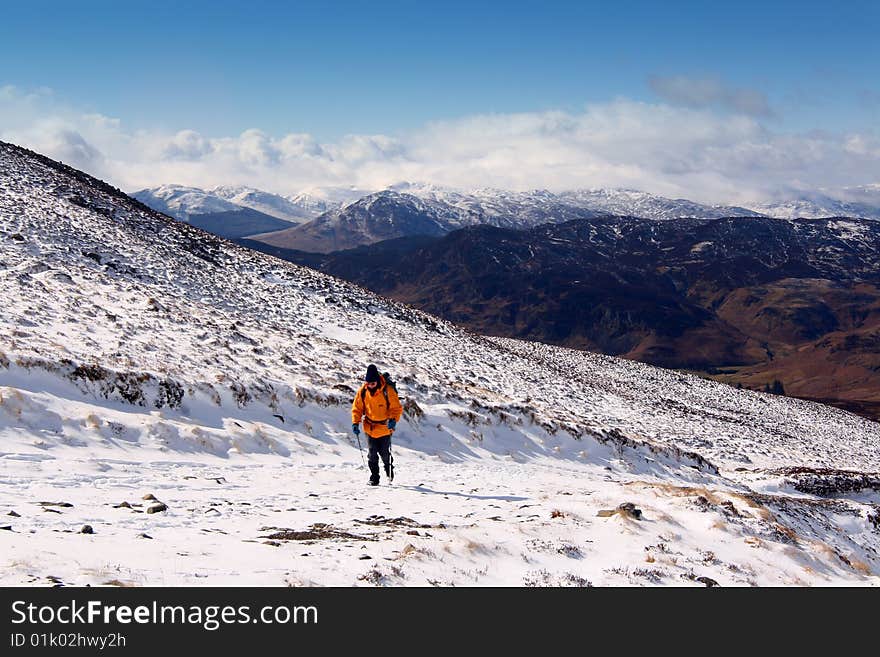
column 703, row 140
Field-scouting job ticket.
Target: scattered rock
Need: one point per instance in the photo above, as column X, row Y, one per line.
column 272, row 543
column 86, row 529
column 556, row 513
column 119, row 583
column 52, row 510
column 149, row 496
column 627, row 510
column 157, row 507
column 122, row 505
column 13, row 514
column 413, row 532
column 708, row 581
column 6, row 528
column 828, row 482
column 363, row 557
column 145, row 536
column 61, row 504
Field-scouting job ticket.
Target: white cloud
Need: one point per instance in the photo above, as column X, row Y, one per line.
column 186, row 145
column 709, row 92
column 693, row 152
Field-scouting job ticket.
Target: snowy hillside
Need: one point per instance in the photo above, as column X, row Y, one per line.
column 140, row 357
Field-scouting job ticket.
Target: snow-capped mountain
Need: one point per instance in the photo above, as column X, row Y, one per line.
column 408, row 209
column 189, row 401
column 184, row 202
column 531, row 208
column 181, row 202
column 332, row 218
column 390, row 214
column 318, row 200
column 274, row 205
column 865, row 205
column 857, row 202
column 633, row 203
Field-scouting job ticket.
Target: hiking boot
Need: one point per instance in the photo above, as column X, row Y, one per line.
column 374, row 480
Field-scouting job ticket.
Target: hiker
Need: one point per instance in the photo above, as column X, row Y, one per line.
column 378, row 404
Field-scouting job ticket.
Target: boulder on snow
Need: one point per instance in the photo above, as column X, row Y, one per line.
column 627, row 510
column 86, row 529
column 157, row 507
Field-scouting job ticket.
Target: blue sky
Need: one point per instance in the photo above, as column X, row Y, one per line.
column 365, row 67
column 720, row 102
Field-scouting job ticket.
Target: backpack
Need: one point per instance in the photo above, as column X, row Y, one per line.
column 388, row 382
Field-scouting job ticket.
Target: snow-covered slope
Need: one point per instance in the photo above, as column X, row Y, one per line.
column 139, row 356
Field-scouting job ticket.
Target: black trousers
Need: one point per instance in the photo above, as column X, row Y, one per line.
column 379, row 447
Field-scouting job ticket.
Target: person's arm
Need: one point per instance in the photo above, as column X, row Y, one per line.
column 357, row 407
column 395, row 410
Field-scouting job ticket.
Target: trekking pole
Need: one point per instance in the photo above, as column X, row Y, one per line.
column 361, row 449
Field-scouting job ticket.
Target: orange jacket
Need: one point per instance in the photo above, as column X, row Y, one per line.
column 371, row 406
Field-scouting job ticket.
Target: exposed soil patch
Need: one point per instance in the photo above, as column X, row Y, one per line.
column 317, row 532
column 400, row 521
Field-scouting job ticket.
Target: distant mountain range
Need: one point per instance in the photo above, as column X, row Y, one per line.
column 234, row 212
column 408, row 209
column 329, row 219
